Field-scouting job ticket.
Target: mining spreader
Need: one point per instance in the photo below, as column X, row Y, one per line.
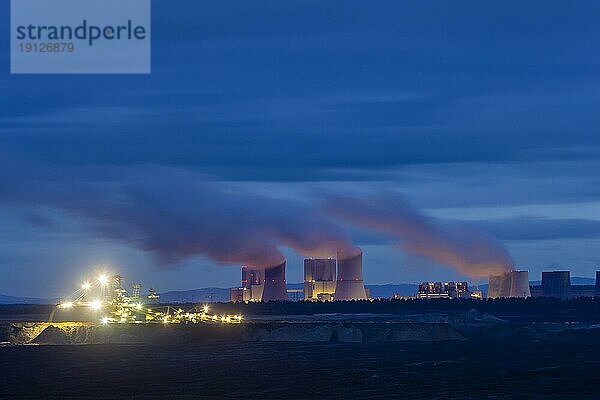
column 109, row 303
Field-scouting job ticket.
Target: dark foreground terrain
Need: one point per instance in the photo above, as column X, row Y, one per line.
column 564, row 366
column 495, row 349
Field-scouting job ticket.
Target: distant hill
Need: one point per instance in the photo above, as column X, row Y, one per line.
column 221, row 294
column 387, row 291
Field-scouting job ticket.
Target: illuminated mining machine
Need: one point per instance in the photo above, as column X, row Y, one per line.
column 106, row 297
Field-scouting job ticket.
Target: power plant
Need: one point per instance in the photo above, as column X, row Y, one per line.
column 350, row 284
column 329, row 279
column 446, row 290
column 320, row 282
column 556, row 284
column 319, row 279
column 260, row 284
column 274, row 286
column 253, row 282
column 509, row 284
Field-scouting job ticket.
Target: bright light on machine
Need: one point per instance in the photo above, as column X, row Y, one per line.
column 96, row 304
column 103, row 279
column 86, row 286
column 138, row 306
column 205, row 309
column 105, row 320
column 67, row 304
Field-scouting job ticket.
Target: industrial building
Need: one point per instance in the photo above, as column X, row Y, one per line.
column 237, row 294
column 446, row 290
column 261, row 284
column 509, row 284
column 556, row 284
column 350, row 284
column 252, row 285
column 319, row 279
column 583, row 291
column 274, row 286
column 253, row 280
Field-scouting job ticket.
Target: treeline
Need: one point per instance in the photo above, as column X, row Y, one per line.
column 531, row 309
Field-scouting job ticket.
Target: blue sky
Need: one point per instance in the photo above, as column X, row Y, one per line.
column 476, row 111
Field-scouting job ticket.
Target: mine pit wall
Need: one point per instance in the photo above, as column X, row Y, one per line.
column 71, row 333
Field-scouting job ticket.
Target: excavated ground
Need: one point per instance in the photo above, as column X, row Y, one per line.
column 419, row 356
column 565, row 366
column 64, row 333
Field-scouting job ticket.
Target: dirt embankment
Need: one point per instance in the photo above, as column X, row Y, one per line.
column 27, row 332
column 66, row 333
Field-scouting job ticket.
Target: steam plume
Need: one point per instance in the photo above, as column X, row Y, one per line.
column 176, row 214
column 470, row 252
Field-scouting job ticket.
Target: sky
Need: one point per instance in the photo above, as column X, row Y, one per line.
column 476, row 112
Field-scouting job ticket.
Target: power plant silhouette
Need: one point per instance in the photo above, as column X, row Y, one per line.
column 341, row 279
column 320, row 282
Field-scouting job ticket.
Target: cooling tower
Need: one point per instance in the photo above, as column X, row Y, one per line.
column 556, row 284
column 519, row 284
column 350, row 284
column 597, row 290
column 274, row 287
column 509, row 284
column 499, row 286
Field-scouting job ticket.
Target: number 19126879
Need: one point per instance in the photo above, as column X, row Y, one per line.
column 47, row 47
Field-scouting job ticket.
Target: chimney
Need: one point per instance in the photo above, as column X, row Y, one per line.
column 519, row 284
column 509, row 284
column 274, row 287
column 350, row 284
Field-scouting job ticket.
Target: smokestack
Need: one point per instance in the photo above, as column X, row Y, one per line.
column 519, row 284
column 499, row 286
column 350, row 284
column 510, row 284
column 274, row 287
column 556, row 284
